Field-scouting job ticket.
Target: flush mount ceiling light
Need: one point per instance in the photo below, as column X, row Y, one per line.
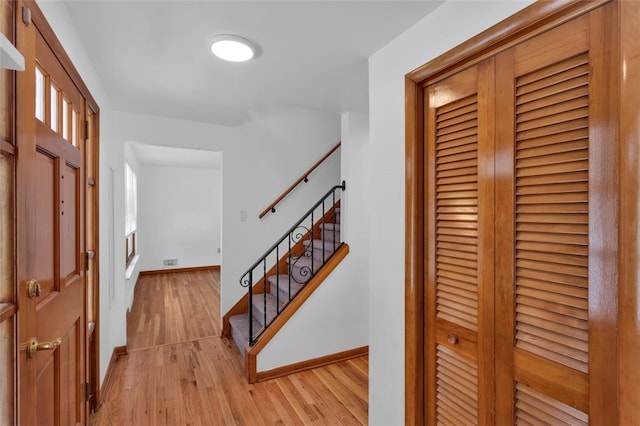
column 232, row 48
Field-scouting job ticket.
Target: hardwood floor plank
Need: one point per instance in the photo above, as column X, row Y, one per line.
column 281, row 404
column 179, row 371
column 323, row 393
column 171, row 308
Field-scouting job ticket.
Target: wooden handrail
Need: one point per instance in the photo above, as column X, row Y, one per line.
column 304, row 177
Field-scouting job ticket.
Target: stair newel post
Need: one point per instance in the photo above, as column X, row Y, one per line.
column 251, row 307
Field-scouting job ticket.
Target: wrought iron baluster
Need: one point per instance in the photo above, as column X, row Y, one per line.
column 278, row 279
column 333, row 195
column 264, row 287
column 251, row 306
column 297, row 233
column 312, row 256
column 289, row 268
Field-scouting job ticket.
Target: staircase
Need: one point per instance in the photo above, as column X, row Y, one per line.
column 305, row 258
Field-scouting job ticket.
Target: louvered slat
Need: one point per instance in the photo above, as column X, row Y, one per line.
column 457, row 388
column 457, row 212
column 533, row 407
column 552, row 196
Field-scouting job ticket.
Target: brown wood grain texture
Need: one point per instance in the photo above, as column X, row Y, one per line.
column 173, row 308
column 109, row 376
column 604, row 189
column 60, row 310
column 629, row 296
column 532, row 406
column 7, row 227
column 552, row 87
column 8, row 370
column 414, row 251
column 553, row 254
column 428, row 244
column 486, row 216
column 26, row 89
column 504, row 240
column 304, row 176
column 202, row 381
column 92, row 197
column 463, row 220
column 6, row 76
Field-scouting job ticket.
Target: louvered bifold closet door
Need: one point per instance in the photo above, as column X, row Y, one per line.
column 459, row 243
column 551, row 255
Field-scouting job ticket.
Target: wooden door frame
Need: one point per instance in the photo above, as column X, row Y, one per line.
column 93, row 351
column 527, row 23
column 38, row 19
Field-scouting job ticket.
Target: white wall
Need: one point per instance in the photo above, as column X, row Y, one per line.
column 336, row 317
column 179, row 216
column 449, row 25
column 258, row 166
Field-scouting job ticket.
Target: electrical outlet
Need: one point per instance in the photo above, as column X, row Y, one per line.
column 170, row 262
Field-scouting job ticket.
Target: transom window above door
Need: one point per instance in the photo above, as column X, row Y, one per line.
column 54, row 108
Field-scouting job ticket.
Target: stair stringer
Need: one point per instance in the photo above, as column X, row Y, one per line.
column 251, row 352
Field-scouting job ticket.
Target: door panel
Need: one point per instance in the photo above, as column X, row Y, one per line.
column 460, row 216
column 43, row 255
column 45, row 402
column 51, row 240
column 551, row 251
column 549, row 268
column 69, row 217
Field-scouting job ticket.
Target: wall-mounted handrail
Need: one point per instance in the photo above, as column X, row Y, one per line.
column 304, row 178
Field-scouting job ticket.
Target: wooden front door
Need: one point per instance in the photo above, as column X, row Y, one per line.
column 50, row 228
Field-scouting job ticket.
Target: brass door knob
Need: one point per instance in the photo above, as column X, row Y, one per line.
column 33, row 346
column 33, row 288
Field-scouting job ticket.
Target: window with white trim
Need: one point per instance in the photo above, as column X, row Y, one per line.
column 131, row 211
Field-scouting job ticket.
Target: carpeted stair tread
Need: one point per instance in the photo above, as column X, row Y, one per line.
column 305, row 262
column 301, row 267
column 259, row 305
column 240, row 329
column 280, row 283
column 330, row 232
column 330, row 226
column 321, row 245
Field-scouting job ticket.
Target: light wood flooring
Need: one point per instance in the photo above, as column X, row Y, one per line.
column 179, row 371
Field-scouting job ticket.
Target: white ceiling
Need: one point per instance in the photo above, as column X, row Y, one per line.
column 153, row 55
